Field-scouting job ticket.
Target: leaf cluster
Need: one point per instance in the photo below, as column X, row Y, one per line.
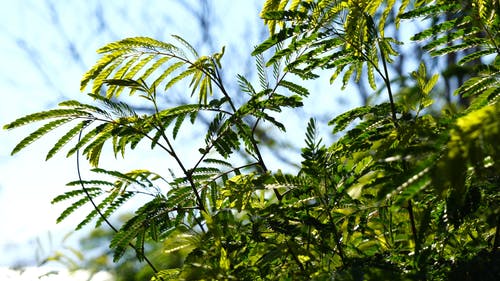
column 403, row 193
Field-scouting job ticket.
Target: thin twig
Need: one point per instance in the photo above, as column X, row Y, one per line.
column 412, row 222
column 188, row 174
column 388, row 85
column 99, row 211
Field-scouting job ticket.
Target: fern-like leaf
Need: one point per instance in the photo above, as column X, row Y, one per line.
column 81, row 106
column 66, row 138
column 74, row 206
column 89, row 182
column 155, row 212
column 245, row 85
column 120, row 109
column 295, row 88
column 44, row 115
column 218, row 162
column 77, row 192
column 177, row 126
column 88, row 137
column 429, row 10
column 188, row 46
column 477, row 85
column 343, row 120
column 119, row 175
column 186, row 73
column 39, row 133
column 476, row 55
column 100, row 66
column 173, row 67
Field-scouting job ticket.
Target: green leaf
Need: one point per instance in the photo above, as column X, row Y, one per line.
column 180, row 77
column 371, row 76
column 454, row 36
column 261, row 71
column 130, row 83
column 476, row 55
column 281, row 36
column 139, row 65
column 187, row 45
column 89, row 182
column 94, row 149
column 342, row 121
column 178, row 123
column 78, row 105
column 435, row 29
column 118, row 175
column 173, row 67
column 88, row 137
column 74, row 207
column 218, row 162
column 180, row 110
column 114, row 90
column 295, row 88
column 428, row 10
column 99, row 67
column 66, row 138
column 468, row 44
column 39, row 133
column 157, row 64
column 77, row 192
column 103, row 75
column 44, row 115
column 271, row 119
column 245, row 85
column 134, row 43
column 430, row 84
column 476, row 85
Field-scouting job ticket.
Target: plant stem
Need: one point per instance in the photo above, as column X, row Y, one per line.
column 412, row 222
column 260, row 159
column 94, row 205
column 188, row 174
column 387, row 82
column 336, row 237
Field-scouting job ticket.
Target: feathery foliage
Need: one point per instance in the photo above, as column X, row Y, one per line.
column 407, row 191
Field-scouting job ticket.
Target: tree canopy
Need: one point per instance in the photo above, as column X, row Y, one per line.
column 407, row 191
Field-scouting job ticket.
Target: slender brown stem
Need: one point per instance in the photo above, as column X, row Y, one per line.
column 387, row 82
column 188, row 174
column 99, row 210
column 412, row 222
column 218, row 79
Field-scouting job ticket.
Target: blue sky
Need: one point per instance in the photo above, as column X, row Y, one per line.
column 45, row 47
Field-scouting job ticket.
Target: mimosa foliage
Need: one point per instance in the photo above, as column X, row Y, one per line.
column 406, row 192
